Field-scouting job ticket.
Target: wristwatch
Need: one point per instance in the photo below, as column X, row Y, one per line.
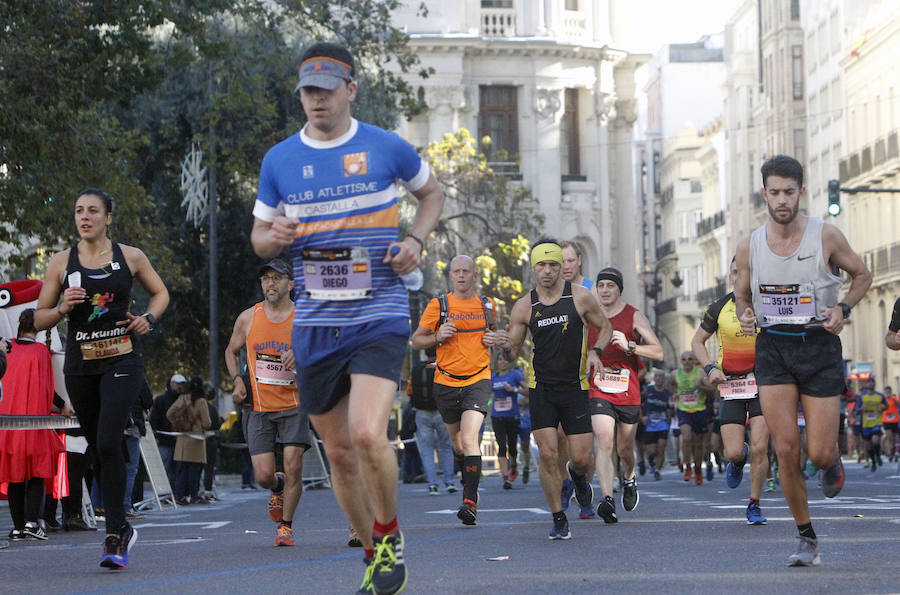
column 150, row 318
column 631, row 347
column 846, row 309
column 709, row 368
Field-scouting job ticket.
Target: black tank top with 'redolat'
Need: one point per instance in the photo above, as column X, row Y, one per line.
column 559, row 358
column 102, row 315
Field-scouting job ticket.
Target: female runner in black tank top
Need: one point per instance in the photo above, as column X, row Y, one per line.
column 104, row 366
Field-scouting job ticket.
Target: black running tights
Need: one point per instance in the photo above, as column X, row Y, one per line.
column 103, row 404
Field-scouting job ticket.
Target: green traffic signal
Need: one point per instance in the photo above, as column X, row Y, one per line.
column 834, row 198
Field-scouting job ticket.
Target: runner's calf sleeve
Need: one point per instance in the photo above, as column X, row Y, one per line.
column 471, row 475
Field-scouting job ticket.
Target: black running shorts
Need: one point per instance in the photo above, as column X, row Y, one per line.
column 550, row 406
column 626, row 414
column 736, row 411
column 812, row 361
column 654, row 437
column 453, row 400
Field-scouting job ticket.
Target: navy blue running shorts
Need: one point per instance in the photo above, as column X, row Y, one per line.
column 376, row 348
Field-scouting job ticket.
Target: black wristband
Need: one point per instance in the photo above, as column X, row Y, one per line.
column 235, row 377
column 418, row 239
column 150, row 318
column 709, row 368
column 598, row 351
column 845, row 310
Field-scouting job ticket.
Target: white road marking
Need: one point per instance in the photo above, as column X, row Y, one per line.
column 202, row 525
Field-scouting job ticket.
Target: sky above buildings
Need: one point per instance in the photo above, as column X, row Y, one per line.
column 649, row 24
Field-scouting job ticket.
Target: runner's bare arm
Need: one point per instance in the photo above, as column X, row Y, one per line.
column 50, row 310
column 841, row 255
column 698, row 346
column 517, row 328
column 589, row 309
column 743, row 299
column 651, row 348
column 150, row 280
column 428, row 212
column 270, row 238
column 235, row 344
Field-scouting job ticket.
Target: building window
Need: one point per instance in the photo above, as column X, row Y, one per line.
column 795, row 10
column 797, row 65
column 569, row 153
column 498, row 119
column 496, row 3
column 571, row 4
column 799, row 145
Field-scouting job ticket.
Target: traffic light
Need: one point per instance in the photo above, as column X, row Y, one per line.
column 834, row 198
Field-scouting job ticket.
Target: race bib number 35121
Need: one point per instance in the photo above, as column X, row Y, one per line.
column 337, row 274
column 787, row 304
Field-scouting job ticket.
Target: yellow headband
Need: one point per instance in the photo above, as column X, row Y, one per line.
column 546, row 252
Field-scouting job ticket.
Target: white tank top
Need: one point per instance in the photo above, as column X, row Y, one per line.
column 794, row 289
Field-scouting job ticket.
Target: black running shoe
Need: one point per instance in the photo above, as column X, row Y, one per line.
column 467, row 513
column 607, row 510
column 630, row 496
column 584, row 493
column 389, row 575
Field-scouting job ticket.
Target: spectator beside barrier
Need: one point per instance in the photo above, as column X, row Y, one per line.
column 178, row 385
column 431, row 432
column 189, row 414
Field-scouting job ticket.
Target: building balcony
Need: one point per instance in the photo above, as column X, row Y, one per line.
column 664, row 250
column 668, row 194
column 507, row 169
column 710, row 223
column 574, row 24
column 711, row 294
column 883, row 261
column 498, row 22
column 666, row 306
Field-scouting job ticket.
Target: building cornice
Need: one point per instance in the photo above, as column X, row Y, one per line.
column 474, row 45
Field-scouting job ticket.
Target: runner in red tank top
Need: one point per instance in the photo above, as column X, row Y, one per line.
column 615, row 391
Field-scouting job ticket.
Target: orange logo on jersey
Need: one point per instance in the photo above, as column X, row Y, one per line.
column 359, row 267
column 354, row 164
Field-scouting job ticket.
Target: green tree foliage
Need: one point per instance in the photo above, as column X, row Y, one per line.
column 487, row 215
column 114, row 93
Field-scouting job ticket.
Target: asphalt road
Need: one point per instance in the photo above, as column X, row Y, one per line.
column 682, row 538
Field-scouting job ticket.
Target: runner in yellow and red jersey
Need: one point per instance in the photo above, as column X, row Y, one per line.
column 732, row 374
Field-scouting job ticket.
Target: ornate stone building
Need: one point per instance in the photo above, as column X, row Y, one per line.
column 543, row 80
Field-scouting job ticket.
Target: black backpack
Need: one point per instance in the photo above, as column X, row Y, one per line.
column 422, row 393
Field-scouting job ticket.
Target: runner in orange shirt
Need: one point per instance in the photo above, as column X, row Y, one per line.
column 265, row 331
column 462, row 325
